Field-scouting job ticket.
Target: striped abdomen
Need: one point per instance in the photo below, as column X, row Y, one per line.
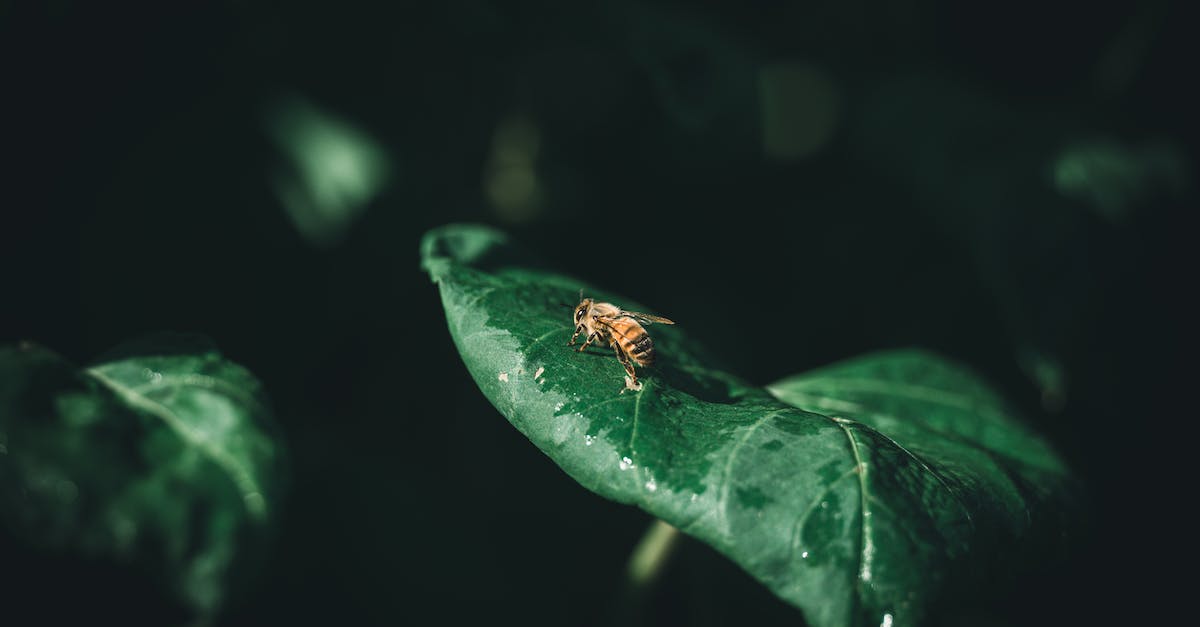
column 634, row 341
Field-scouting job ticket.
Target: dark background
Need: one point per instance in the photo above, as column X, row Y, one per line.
column 796, row 183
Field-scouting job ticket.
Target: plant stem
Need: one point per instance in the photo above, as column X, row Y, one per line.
column 650, row 556
column 646, row 563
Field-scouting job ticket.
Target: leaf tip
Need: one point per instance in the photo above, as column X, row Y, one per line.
column 452, row 244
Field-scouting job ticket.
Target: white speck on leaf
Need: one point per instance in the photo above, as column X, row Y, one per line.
column 504, row 377
column 539, row 372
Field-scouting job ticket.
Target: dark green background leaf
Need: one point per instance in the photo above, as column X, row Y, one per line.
column 161, row 454
column 876, row 487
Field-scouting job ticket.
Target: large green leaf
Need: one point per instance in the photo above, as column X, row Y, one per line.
column 863, row 493
column 161, row 454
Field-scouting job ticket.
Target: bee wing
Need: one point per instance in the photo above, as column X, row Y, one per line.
column 606, row 322
column 613, row 329
column 646, row 318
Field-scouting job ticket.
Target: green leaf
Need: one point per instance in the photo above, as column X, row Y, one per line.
column 161, row 454
column 864, row 493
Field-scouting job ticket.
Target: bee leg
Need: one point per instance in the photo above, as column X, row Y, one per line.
column 578, row 330
column 625, row 361
column 587, row 341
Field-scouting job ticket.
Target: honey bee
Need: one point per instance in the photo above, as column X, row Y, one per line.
column 621, row 329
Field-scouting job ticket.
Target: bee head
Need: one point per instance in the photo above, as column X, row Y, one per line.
column 582, row 308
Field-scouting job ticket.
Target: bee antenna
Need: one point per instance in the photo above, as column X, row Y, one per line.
column 581, row 294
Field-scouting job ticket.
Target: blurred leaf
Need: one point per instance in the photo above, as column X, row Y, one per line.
column 336, row 169
column 510, row 180
column 862, row 493
column 1113, row 179
column 704, row 80
column 1047, row 373
column 161, row 455
column 799, row 109
column 1006, row 183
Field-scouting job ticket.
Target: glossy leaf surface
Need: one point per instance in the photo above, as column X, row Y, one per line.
column 862, row 493
column 160, row 455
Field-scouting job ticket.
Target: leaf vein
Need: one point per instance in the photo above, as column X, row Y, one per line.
column 637, row 403
column 723, row 503
column 906, row 390
column 206, row 382
column 801, row 520
column 942, row 482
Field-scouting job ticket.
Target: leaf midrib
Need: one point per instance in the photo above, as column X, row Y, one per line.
column 236, row 470
column 865, row 546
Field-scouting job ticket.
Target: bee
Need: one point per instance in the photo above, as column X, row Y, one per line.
column 622, row 330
